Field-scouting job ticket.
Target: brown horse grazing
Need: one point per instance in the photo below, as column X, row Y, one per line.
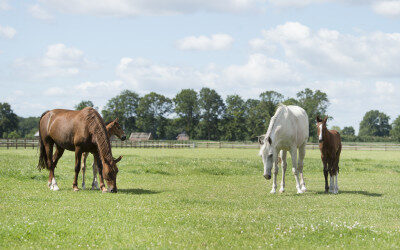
column 113, row 128
column 79, row 131
column 330, row 146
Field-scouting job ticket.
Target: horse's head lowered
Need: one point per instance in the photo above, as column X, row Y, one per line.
column 321, row 128
column 268, row 154
column 110, row 174
column 115, row 129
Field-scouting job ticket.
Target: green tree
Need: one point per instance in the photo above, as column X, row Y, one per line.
column 8, row 120
column 269, row 101
column 152, row 111
column 395, row 132
column 234, row 125
column 375, row 123
column 348, row 131
column 212, row 108
column 14, row 135
column 255, row 120
column 27, row 127
column 123, row 107
column 314, row 103
column 187, row 108
column 83, row 104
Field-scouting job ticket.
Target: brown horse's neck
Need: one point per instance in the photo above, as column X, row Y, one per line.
column 326, row 137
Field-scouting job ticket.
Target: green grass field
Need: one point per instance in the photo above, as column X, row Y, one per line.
column 201, row 198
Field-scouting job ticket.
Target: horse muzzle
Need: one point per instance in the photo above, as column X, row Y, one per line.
column 266, row 176
column 112, row 190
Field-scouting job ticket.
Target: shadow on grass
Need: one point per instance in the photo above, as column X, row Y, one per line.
column 138, row 191
column 354, row 192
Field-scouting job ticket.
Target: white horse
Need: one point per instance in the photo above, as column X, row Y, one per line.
column 287, row 131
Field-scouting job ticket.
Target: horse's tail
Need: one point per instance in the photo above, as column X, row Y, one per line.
column 42, row 157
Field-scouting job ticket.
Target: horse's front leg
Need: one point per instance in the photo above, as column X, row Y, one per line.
column 85, row 155
column 293, row 153
column 100, row 168
column 78, row 158
column 326, row 175
column 95, row 185
column 302, row 154
column 284, row 166
column 275, row 173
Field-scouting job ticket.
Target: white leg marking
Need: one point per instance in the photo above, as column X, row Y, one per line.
column 53, row 185
column 331, row 183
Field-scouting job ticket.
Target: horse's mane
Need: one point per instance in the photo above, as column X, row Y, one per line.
column 99, row 133
column 278, row 113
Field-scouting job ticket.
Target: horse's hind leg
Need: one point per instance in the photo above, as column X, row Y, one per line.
column 284, row 166
column 302, row 154
column 293, row 153
column 85, row 155
column 95, row 184
column 78, row 158
column 57, row 155
column 48, row 147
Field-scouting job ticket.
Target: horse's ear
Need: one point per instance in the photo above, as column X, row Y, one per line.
column 325, row 119
column 118, row 159
column 269, row 140
column 261, row 139
column 319, row 119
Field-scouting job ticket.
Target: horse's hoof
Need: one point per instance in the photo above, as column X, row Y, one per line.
column 76, row 189
column 299, row 191
column 282, row 190
column 268, row 177
column 83, row 186
column 55, row 188
column 273, row 191
column 304, row 189
column 104, row 190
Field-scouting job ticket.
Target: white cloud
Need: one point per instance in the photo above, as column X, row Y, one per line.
column 387, row 8
column 215, row 42
column 330, row 52
column 123, row 8
column 4, row 5
column 59, row 60
column 259, row 72
column 54, row 91
column 7, row 32
column 39, row 13
column 294, row 3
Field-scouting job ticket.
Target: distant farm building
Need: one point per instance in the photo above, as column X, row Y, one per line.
column 182, row 137
column 140, row 137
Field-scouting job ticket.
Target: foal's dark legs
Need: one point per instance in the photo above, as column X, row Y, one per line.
column 78, row 157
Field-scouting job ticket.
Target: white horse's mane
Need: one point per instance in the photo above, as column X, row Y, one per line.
column 278, row 112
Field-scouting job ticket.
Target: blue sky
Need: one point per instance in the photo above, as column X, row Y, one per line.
column 56, row 53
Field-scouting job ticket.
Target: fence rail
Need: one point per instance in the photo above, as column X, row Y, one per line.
column 33, row 143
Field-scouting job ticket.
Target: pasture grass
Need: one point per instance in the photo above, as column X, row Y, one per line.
column 200, row 198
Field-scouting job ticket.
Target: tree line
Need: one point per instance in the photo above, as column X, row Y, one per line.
column 205, row 115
